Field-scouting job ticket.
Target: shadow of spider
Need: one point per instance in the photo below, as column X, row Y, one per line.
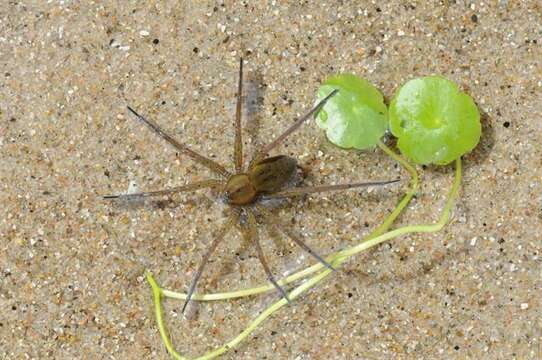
column 264, row 178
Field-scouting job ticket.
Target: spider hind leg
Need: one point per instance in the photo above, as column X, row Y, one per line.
column 251, row 234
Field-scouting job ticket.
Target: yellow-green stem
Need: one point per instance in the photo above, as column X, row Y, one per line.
column 157, row 297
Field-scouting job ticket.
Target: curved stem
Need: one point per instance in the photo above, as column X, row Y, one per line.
column 414, row 182
column 444, row 217
column 265, row 314
column 157, row 298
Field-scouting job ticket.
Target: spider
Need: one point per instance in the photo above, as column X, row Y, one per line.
column 247, row 188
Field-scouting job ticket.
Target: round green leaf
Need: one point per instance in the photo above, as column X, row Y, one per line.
column 356, row 117
column 433, row 121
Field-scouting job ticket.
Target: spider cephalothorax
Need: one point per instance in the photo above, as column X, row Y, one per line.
column 264, row 177
column 244, row 190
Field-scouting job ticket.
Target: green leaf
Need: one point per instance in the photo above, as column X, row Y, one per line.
column 356, row 117
column 434, row 122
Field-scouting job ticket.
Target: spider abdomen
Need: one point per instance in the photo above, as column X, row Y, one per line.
column 272, row 174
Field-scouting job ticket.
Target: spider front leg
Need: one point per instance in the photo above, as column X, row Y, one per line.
column 182, row 148
column 183, row 188
column 238, row 146
column 250, row 233
column 267, row 148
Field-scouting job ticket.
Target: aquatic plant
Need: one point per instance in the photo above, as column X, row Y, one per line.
column 434, row 121
column 429, row 130
column 357, row 117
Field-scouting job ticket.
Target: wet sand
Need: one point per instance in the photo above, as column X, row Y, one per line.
column 72, row 264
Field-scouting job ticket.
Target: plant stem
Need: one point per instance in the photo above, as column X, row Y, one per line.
column 408, row 196
column 427, row 228
column 266, row 313
column 157, row 297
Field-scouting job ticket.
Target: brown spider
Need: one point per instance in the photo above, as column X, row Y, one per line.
column 244, row 190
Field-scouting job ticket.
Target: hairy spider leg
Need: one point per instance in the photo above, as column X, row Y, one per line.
column 188, row 187
column 250, row 233
column 200, row 159
column 267, row 148
column 281, row 227
column 218, row 238
column 324, row 188
column 238, row 145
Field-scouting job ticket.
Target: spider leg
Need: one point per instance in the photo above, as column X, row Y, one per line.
column 251, row 234
column 275, row 223
column 218, row 237
column 200, row 159
column 188, row 187
column 238, row 146
column 267, row 148
column 316, row 189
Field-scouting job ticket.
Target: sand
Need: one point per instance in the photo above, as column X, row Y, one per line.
column 72, row 264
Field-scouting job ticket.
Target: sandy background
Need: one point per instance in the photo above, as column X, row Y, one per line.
column 71, row 264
